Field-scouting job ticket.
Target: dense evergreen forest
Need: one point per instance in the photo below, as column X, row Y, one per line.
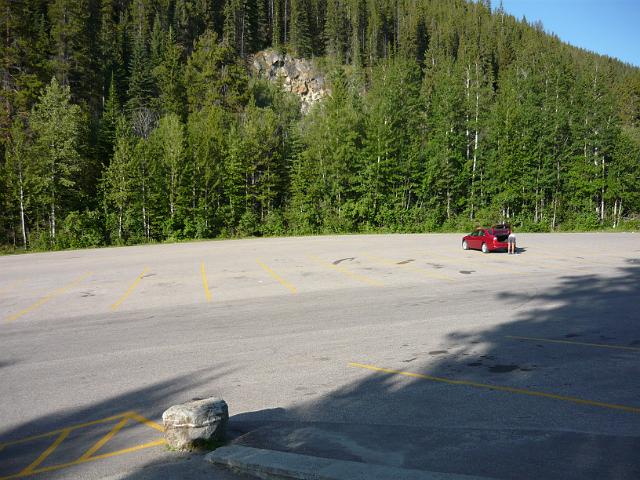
column 127, row 121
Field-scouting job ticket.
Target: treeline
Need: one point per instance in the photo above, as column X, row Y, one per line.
column 127, row 121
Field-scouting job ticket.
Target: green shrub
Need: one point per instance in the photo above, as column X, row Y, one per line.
column 274, row 224
column 583, row 222
column 81, row 230
column 249, row 225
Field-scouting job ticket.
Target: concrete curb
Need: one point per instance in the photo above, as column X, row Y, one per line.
column 271, row 464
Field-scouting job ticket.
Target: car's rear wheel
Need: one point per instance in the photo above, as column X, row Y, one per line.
column 485, row 249
column 465, row 245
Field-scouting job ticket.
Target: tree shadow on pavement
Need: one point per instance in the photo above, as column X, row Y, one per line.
column 87, row 429
column 549, row 391
column 540, row 393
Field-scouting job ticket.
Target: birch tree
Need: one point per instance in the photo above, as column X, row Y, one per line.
column 170, row 138
column 19, row 172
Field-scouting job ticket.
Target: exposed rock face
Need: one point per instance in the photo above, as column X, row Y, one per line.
column 297, row 75
column 194, row 425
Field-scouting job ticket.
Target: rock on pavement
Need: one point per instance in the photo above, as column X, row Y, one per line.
column 196, row 424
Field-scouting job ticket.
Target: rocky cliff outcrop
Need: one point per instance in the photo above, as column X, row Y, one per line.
column 296, row 75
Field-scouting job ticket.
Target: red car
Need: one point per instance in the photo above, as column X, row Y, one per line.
column 488, row 239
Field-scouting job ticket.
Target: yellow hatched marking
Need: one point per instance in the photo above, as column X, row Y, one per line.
column 88, row 456
column 129, row 290
column 136, row 448
column 100, row 443
column 521, row 391
column 48, row 297
column 570, row 342
column 349, row 273
column 71, row 428
column 413, row 268
column 277, row 277
column 205, row 284
column 149, row 423
column 43, row 456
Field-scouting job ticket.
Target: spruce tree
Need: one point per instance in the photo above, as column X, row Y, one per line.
column 214, row 75
column 55, row 122
column 118, row 183
column 169, row 78
column 108, row 123
column 140, row 89
column 69, row 31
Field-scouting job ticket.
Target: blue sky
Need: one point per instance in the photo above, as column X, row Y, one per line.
column 610, row 27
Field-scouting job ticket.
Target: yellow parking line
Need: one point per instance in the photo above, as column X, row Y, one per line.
column 570, row 342
column 281, row 280
column 521, row 391
column 149, row 423
column 129, row 290
column 205, row 284
column 424, row 271
column 349, row 273
column 100, row 443
column 48, row 297
column 46, row 453
column 89, row 454
column 71, row 428
column 136, row 448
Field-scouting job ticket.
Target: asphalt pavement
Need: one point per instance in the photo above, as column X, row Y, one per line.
column 401, row 351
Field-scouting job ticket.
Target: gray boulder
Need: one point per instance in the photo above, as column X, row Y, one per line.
column 196, row 425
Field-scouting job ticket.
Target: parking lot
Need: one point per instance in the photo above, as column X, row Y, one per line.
column 424, row 355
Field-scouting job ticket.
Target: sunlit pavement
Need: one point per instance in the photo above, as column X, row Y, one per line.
column 394, row 349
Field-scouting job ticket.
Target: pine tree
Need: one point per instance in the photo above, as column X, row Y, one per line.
column 332, row 136
column 335, row 29
column 169, row 136
column 207, row 149
column 244, row 25
column 390, row 112
column 108, row 124
column 444, row 147
column 69, row 31
column 55, row 122
column 214, row 76
column 118, row 182
column 111, row 54
column 299, row 31
column 169, row 76
column 140, row 89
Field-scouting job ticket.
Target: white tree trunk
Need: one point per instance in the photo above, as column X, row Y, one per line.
column 22, row 222
column 53, row 221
